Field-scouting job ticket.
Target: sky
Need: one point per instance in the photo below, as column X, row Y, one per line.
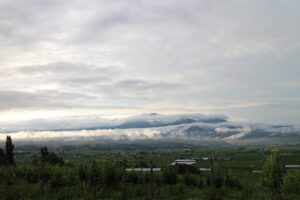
column 75, row 59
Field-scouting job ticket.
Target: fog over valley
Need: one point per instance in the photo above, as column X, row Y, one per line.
column 196, row 129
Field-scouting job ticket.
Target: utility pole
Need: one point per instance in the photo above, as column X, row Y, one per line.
column 42, row 177
column 81, row 174
column 200, row 176
column 226, row 172
column 171, row 182
column 278, row 184
column 125, row 172
column 211, row 167
column 94, row 182
column 212, row 176
column 124, row 180
column 151, row 174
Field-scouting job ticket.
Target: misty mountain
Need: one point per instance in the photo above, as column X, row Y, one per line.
column 153, row 121
column 93, row 123
column 185, row 129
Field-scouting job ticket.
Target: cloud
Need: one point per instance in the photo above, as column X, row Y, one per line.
column 68, row 85
column 71, row 75
column 138, row 88
column 42, row 99
column 239, row 132
column 239, row 58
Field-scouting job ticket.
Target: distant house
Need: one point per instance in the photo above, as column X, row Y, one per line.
column 143, row 169
column 291, row 167
column 204, row 169
column 204, row 158
column 256, row 171
column 183, row 161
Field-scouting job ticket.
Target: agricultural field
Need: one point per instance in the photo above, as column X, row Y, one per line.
column 237, row 174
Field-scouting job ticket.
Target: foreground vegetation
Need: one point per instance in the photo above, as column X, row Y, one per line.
column 48, row 175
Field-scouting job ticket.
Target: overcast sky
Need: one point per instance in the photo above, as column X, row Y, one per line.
column 81, row 59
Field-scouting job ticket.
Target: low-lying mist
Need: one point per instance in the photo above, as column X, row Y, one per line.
column 157, row 129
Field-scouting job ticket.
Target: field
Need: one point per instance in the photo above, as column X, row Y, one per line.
column 237, row 174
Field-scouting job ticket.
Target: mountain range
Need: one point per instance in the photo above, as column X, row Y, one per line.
column 186, row 128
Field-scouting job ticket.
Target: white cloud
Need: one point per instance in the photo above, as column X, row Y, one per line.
column 239, row 132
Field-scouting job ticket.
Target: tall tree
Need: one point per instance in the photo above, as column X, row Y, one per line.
column 9, row 151
column 272, row 177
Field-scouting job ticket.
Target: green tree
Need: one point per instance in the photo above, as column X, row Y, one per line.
column 2, row 158
column 54, row 159
column 272, row 177
column 51, row 158
column 44, row 153
column 9, row 150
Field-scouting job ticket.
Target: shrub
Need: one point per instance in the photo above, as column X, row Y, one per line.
column 291, row 182
column 169, row 176
column 189, row 180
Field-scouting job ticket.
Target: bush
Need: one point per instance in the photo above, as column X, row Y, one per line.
column 291, row 183
column 32, row 175
column 184, row 169
column 132, row 177
column 110, row 175
column 218, row 180
column 189, row 180
column 169, row 176
column 62, row 177
column 233, row 182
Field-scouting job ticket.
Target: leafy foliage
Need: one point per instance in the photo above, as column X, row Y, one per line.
column 50, row 158
column 272, row 177
column 291, row 182
column 169, row 176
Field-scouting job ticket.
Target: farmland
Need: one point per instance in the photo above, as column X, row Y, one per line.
column 237, row 174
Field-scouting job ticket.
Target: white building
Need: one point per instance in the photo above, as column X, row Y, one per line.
column 292, row 166
column 183, row 161
column 204, row 169
column 143, row 169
